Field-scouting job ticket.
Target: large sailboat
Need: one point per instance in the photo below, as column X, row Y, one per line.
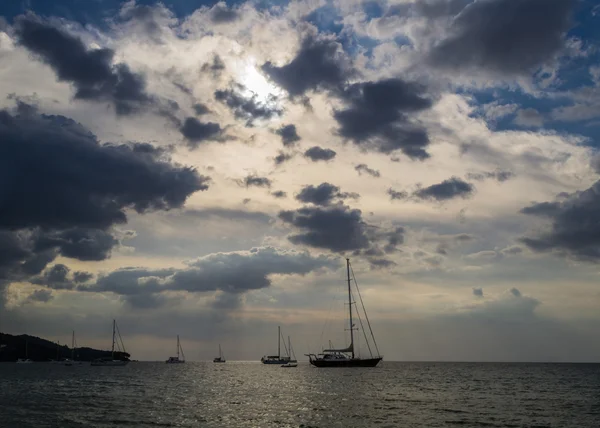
column 71, row 361
column 220, row 358
column 278, row 359
column 113, row 360
column 25, row 360
column 347, row 357
column 292, row 362
column 177, row 359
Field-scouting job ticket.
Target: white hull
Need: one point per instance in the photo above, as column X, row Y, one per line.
column 21, row 361
column 288, row 365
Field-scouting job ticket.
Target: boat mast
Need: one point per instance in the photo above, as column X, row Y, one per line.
column 220, row 353
column 279, row 341
column 350, row 307
column 73, row 346
column 177, row 346
column 113, row 341
column 289, row 348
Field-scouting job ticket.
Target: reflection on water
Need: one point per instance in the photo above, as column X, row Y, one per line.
column 254, row 395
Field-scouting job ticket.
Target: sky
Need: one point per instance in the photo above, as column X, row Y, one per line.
column 203, row 169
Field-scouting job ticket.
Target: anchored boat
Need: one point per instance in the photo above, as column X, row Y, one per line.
column 177, row 359
column 346, row 357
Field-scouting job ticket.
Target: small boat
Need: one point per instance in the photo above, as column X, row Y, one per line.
column 346, row 357
column 25, row 360
column 220, row 358
column 177, row 360
column 289, row 365
column 111, row 362
column 277, row 359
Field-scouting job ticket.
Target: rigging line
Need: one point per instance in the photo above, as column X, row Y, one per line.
column 362, row 327
column 365, row 311
column 120, row 339
column 283, row 340
column 331, row 302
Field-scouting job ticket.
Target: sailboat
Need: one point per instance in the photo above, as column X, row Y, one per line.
column 290, row 363
column 25, row 360
column 277, row 359
column 346, row 357
column 220, row 358
column 71, row 361
column 177, row 360
column 112, row 361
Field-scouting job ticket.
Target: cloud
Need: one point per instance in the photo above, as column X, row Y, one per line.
column 279, row 194
column 529, row 117
column 59, row 277
column 234, row 272
column 337, row 228
column 360, row 168
column 319, row 65
column 317, row 153
column 43, row 296
column 220, row 214
column 504, row 36
column 246, row 108
column 378, row 117
column 200, row 109
column 195, row 131
column 448, row 189
column 221, row 14
column 498, row 175
column 478, row 292
column 215, row 67
column 282, row 158
column 76, row 190
column 574, row 229
column 323, row 194
column 254, row 180
column 396, row 195
column 289, row 135
column 91, row 71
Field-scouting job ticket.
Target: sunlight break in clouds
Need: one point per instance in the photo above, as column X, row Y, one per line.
column 204, row 170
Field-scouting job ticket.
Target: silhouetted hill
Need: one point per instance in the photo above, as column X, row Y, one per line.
column 38, row 349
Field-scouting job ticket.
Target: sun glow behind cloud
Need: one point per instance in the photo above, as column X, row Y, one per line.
column 257, row 85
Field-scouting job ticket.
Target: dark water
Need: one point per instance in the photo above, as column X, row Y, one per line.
column 254, row 395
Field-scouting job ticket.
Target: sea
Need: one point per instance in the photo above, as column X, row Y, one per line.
column 249, row 394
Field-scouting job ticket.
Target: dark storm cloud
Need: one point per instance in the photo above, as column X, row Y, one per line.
column 478, row 292
column 59, row 277
column 254, row 180
column 195, row 131
column 43, row 296
column 318, row 65
column 247, row 108
column 288, row 135
column 317, row 153
column 200, row 109
column 339, row 228
column 499, row 175
column 377, row 117
column 74, row 190
column 574, row 228
column 396, row 195
column 221, row 14
column 91, row 71
column 323, row 194
column 504, row 36
column 447, row 189
column 282, row 157
column 236, row 272
column 279, row 194
column 360, row 168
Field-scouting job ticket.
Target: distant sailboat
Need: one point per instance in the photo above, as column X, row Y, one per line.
column 277, row 359
column 346, row 357
column 71, row 361
column 25, row 360
column 220, row 358
column 291, row 362
column 177, row 360
column 111, row 361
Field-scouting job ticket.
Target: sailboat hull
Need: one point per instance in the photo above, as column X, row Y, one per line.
column 357, row 362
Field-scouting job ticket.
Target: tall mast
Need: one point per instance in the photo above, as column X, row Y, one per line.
column 350, row 307
column 113, row 342
column 278, row 341
column 177, row 346
column 73, row 346
column 289, row 348
column 220, row 354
